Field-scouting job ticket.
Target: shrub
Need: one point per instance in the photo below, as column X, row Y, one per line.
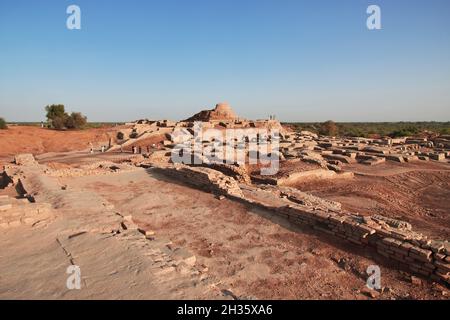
column 59, row 122
column 55, row 111
column 354, row 132
column 120, row 135
column 3, row 124
column 133, row 135
column 328, row 128
column 59, row 119
column 76, row 121
column 409, row 131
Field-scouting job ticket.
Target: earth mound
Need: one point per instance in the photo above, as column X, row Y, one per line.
column 222, row 111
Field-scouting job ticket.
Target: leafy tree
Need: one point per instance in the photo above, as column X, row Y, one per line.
column 328, row 128
column 75, row 121
column 408, row 131
column 354, row 132
column 59, row 119
column 55, row 111
column 3, row 124
column 59, row 122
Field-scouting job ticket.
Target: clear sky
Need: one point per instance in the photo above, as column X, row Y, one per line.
column 308, row 60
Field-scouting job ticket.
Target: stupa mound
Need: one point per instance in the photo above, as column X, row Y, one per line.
column 222, row 111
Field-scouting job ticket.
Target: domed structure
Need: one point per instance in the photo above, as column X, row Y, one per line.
column 222, row 111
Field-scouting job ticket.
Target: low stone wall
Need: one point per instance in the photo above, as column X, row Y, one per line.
column 239, row 173
column 204, row 178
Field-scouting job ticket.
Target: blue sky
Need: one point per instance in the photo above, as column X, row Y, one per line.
column 301, row 60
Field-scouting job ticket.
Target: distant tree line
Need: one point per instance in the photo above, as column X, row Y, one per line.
column 373, row 129
column 58, row 118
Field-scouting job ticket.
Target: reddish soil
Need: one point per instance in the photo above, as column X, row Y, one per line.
column 36, row 140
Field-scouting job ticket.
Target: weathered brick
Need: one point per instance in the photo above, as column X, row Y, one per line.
column 439, row 256
column 400, row 250
column 391, row 242
column 336, row 219
column 424, row 272
column 365, row 229
column 383, row 232
column 324, row 230
column 436, row 246
column 419, row 257
column 443, row 276
column 442, row 265
column 421, row 252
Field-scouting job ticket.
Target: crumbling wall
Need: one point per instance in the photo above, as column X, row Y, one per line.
column 16, row 212
column 25, row 159
column 238, row 172
column 204, row 178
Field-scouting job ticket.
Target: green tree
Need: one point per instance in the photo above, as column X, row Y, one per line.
column 75, row 121
column 59, row 119
column 59, row 122
column 3, row 124
column 328, row 128
column 55, row 111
